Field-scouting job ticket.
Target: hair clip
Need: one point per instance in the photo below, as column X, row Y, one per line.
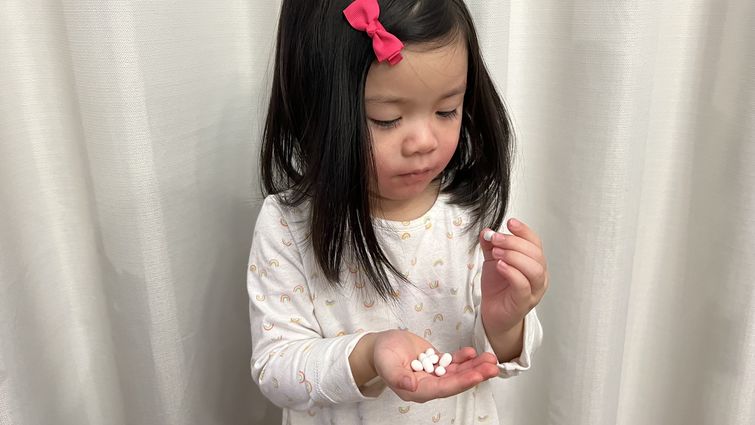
column 362, row 15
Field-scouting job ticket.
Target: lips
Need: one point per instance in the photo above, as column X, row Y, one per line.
column 418, row 172
column 418, row 176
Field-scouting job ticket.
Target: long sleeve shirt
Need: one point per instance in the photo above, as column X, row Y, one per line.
column 304, row 329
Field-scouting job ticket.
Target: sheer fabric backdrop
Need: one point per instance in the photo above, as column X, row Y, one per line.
column 129, row 133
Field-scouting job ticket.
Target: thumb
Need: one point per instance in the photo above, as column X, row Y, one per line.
column 401, row 378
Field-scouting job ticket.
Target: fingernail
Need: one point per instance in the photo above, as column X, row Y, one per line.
column 488, row 236
column 514, row 222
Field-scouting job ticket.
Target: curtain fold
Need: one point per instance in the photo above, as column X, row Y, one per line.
column 129, row 189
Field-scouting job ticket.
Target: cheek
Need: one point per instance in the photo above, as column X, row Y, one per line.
column 448, row 147
column 382, row 165
column 381, row 173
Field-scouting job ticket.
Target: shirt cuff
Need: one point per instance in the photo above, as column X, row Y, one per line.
column 334, row 382
column 532, row 338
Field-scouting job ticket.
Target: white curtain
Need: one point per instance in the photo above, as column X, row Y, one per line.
column 129, row 133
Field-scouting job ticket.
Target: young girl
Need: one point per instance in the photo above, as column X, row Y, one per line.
column 386, row 152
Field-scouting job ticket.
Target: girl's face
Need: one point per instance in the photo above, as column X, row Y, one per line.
column 414, row 112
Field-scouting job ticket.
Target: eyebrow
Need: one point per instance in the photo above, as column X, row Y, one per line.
column 397, row 99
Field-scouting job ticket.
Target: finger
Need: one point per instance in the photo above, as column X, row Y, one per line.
column 515, row 278
column 516, row 243
column 509, row 241
column 484, row 358
column 463, row 354
column 488, row 370
column 533, row 271
column 513, row 281
column 449, row 385
column 523, row 231
column 458, row 382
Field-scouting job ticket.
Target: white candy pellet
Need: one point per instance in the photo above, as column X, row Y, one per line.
column 417, row 365
column 445, row 360
column 428, row 360
column 488, row 236
column 429, row 368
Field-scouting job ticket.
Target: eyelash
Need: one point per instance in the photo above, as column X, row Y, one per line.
column 394, row 123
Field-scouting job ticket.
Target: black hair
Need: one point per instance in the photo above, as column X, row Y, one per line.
column 316, row 143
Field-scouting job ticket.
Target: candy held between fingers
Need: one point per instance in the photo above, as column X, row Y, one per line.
column 488, row 236
column 417, row 365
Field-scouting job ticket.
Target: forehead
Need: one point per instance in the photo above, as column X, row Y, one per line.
column 423, row 74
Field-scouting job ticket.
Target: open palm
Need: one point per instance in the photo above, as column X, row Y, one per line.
column 394, row 352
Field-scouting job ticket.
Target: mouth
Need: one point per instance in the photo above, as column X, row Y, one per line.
column 417, row 173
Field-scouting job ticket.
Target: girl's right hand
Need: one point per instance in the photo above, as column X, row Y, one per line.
column 394, row 351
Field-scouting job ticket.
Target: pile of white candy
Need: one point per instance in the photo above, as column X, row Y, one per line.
column 426, row 361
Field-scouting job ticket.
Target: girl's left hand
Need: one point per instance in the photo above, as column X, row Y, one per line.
column 514, row 276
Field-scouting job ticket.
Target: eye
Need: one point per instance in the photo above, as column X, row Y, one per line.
column 448, row 114
column 386, row 124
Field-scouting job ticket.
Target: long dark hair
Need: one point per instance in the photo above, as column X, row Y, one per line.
column 316, row 144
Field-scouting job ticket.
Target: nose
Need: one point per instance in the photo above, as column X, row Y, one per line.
column 421, row 140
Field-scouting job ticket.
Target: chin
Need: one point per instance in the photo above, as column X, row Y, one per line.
column 407, row 193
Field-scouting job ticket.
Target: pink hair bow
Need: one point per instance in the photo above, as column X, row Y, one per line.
column 363, row 16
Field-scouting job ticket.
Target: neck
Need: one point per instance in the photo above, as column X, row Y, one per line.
column 406, row 210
